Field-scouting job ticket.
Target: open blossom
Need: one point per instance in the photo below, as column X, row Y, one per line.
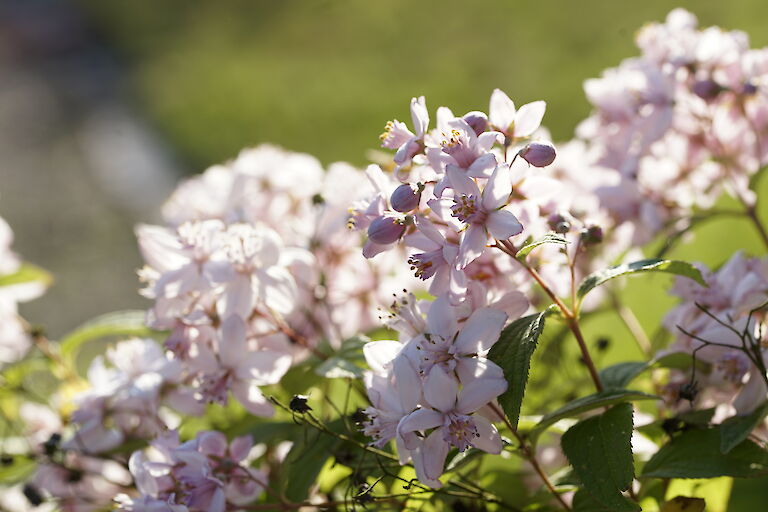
column 398, row 136
column 514, row 124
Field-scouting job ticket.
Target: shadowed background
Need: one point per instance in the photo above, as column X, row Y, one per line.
column 104, row 105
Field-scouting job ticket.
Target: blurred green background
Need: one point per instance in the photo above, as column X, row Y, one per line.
column 206, row 79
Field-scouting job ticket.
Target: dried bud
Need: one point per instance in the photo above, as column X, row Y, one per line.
column 478, row 121
column 33, row 495
column 591, row 235
column 52, row 444
column 603, row 343
column 749, row 89
column 406, row 197
column 559, row 223
column 299, row 404
column 706, row 89
column 358, row 417
column 385, row 230
column 538, row 154
column 689, row 391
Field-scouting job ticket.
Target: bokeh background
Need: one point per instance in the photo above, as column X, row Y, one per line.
column 105, row 105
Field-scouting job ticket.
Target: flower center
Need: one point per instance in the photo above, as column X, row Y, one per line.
column 434, row 350
column 467, row 209
column 458, row 147
column 425, row 264
column 459, row 430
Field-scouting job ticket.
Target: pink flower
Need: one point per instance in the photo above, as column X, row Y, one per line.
column 515, row 124
column 449, row 413
column 397, row 135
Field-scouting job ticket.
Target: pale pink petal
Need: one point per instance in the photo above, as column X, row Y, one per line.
column 514, row 303
column 497, row 190
column 371, row 249
column 263, row 367
column 419, row 420
column 480, row 331
column 212, row 443
column 408, row 383
column 483, row 165
column 488, row 438
column 440, row 389
column 503, row 224
column 276, row 288
column 429, row 230
column 471, row 368
column 479, row 392
column 233, row 345
column 752, row 395
column 240, row 447
column 441, row 318
column 419, row 115
column 460, row 182
column 486, row 140
column 528, row 118
column 238, row 297
column 379, row 354
column 250, row 396
column 473, row 243
column 501, row 111
column 434, row 451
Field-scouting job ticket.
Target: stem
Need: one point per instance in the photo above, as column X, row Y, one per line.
column 633, row 325
column 751, row 211
column 571, row 318
column 531, row 457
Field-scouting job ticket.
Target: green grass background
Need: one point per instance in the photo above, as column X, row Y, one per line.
column 324, row 76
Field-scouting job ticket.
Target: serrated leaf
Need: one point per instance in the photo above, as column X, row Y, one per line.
column 676, row 267
column 549, row 238
column 584, row 502
column 736, row 429
column 512, row 353
column 588, row 403
column 27, row 273
column 696, row 453
column 600, row 451
column 618, row 376
column 120, row 323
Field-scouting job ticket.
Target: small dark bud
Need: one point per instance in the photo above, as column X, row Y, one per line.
column 591, row 235
column 477, row 121
column 385, row 230
column 603, row 343
column 748, row 89
column 33, row 495
column 37, row 331
column 406, row 197
column 318, row 199
column 52, row 444
column 299, row 404
column 75, row 476
column 538, row 154
column 558, row 223
column 6, row 460
column 689, row 391
column 706, row 89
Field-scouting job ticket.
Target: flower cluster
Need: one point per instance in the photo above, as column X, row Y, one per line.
column 723, row 325
column 205, row 474
column 679, row 124
column 437, row 389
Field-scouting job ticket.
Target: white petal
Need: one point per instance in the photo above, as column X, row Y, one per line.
column 460, row 182
column 472, row 244
column 249, row 395
column 480, row 331
column 440, row 390
column 528, row 118
column 408, row 383
column 419, row 115
column 471, row 368
column 379, row 354
column 419, row 420
column 503, row 224
column 488, row 438
column 232, row 346
column 501, row 111
column 441, row 318
column 434, row 451
column 497, row 190
column 479, row 392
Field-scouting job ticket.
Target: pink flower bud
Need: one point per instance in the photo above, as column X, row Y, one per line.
column 406, row 197
column 385, row 230
column 591, row 235
column 477, row 121
column 706, row 89
column 538, row 154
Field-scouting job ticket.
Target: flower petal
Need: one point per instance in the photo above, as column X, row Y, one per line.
column 528, row 118
column 480, row 331
column 433, row 453
column 488, row 438
column 497, row 190
column 503, row 224
column 479, row 392
column 441, row 318
column 501, row 111
column 440, row 390
column 473, row 244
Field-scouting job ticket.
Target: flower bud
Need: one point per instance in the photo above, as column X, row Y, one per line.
column 559, row 223
column 591, row 235
column 299, row 404
column 385, row 230
column 748, row 89
column 477, row 121
column 538, row 154
column 706, row 89
column 406, row 197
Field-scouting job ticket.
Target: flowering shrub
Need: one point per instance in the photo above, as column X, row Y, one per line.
column 337, row 339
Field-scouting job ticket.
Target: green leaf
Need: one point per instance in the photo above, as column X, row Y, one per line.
column 347, row 362
column 549, row 238
column 120, row 323
column 587, row 403
column 27, row 273
column 680, row 268
column 305, row 460
column 513, row 354
column 19, row 470
column 618, row 376
column 696, row 453
column 681, row 361
column 600, row 451
column 584, row 502
column 736, row 429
